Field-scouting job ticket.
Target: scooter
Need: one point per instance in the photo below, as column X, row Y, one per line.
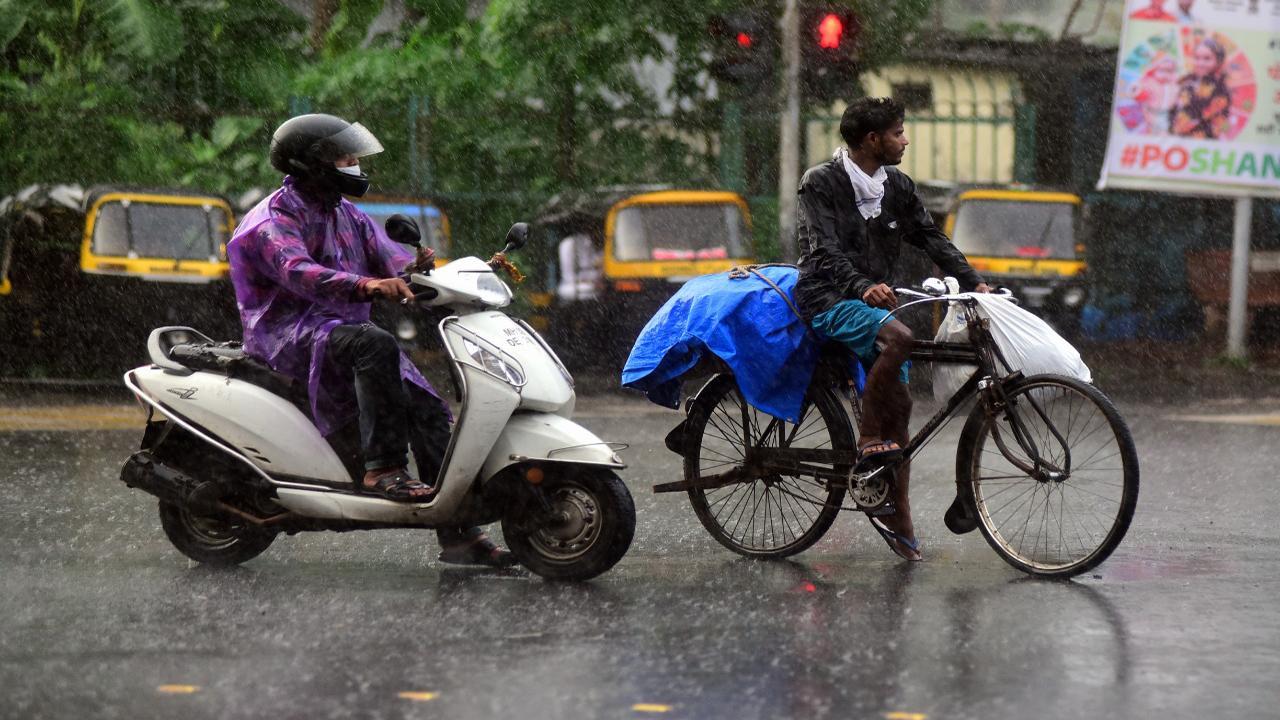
column 232, row 454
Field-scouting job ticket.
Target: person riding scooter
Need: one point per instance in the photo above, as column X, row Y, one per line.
column 305, row 263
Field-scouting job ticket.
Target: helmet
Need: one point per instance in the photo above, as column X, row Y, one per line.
column 308, row 145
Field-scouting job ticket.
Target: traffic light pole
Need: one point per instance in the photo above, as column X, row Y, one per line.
column 732, row 161
column 789, row 132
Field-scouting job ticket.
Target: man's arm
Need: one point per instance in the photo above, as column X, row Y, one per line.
column 924, row 234
column 816, row 232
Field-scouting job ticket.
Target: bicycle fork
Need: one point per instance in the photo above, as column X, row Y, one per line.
column 1000, row 405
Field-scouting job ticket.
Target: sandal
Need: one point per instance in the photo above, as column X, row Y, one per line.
column 397, row 485
column 899, row 544
column 879, row 452
column 479, row 550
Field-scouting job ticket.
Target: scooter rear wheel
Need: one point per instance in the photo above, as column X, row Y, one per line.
column 591, row 524
column 211, row 540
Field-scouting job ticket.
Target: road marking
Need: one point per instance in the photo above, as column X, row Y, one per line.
column 651, row 708
column 1264, row 419
column 178, row 689
column 71, row 417
column 417, row 696
column 904, row 716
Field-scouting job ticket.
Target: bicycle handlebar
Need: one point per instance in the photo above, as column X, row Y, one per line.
column 925, row 297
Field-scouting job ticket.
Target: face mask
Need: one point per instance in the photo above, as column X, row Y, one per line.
column 348, row 180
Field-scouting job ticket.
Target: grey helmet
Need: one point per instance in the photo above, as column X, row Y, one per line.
column 307, row 147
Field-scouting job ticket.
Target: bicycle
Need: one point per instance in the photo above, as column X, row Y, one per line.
column 1045, row 462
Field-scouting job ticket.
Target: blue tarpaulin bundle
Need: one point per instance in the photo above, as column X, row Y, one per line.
column 741, row 320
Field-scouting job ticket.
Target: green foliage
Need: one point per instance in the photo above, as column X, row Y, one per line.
column 150, row 33
column 1229, row 362
column 349, row 26
column 1014, row 31
column 141, row 91
column 528, row 99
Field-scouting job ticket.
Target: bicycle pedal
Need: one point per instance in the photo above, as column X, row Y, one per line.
column 873, row 467
column 884, row 510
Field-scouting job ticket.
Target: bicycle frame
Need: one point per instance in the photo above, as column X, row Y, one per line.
column 982, row 353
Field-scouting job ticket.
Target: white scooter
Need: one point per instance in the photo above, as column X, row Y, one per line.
column 235, row 459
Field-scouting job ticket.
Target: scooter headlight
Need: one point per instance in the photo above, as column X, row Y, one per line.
column 491, row 290
column 493, row 363
column 1073, row 297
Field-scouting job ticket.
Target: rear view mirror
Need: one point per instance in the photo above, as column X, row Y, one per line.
column 517, row 236
column 403, row 229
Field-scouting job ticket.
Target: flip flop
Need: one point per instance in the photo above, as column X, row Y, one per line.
column 479, row 550
column 888, row 451
column 398, row 485
column 897, row 542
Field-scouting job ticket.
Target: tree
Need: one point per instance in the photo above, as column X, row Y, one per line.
column 139, row 91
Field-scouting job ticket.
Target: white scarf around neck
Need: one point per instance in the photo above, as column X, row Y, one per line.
column 868, row 188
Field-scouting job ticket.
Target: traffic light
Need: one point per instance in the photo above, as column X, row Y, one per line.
column 828, row 46
column 744, row 46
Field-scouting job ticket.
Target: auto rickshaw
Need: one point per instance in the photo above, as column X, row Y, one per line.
column 433, row 223
column 90, row 273
column 619, row 254
column 1026, row 240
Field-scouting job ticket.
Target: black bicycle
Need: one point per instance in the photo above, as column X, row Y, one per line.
column 1045, row 463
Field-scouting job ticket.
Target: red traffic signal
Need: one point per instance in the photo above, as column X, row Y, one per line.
column 829, row 35
column 830, row 31
column 742, row 47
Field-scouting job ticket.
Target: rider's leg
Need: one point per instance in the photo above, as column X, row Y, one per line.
column 886, row 415
column 898, row 431
column 429, row 438
column 374, row 358
column 882, row 399
column 429, row 432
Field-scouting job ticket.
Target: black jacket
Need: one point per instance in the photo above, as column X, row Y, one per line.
column 841, row 254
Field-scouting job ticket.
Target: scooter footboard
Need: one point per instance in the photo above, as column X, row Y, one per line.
column 549, row 438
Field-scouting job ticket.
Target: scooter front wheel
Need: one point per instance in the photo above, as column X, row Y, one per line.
column 584, row 529
column 211, row 540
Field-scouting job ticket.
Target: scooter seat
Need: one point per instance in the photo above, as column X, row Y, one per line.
column 230, row 359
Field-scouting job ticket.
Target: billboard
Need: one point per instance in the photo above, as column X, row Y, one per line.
column 1197, row 99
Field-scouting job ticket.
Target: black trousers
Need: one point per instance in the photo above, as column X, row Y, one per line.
column 394, row 415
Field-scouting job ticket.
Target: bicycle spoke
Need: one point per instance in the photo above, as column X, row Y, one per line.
column 1053, row 523
column 772, row 515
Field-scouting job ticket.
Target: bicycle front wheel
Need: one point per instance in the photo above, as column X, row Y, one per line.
column 1052, row 477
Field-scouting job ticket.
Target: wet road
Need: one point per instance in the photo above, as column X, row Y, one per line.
column 100, row 617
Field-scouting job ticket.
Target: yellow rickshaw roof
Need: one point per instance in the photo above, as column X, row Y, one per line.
column 1020, row 195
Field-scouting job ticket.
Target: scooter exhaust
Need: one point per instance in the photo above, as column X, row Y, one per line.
column 144, row 472
column 200, row 497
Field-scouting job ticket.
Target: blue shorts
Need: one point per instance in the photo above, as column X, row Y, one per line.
column 856, row 325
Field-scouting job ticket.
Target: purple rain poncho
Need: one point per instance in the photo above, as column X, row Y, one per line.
column 296, row 266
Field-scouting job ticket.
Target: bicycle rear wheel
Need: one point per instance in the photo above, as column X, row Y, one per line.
column 776, row 515
column 1072, row 509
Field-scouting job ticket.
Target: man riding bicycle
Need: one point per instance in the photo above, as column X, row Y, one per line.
column 854, row 213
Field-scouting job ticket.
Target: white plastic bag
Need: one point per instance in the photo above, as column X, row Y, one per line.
column 949, row 378
column 1027, row 343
